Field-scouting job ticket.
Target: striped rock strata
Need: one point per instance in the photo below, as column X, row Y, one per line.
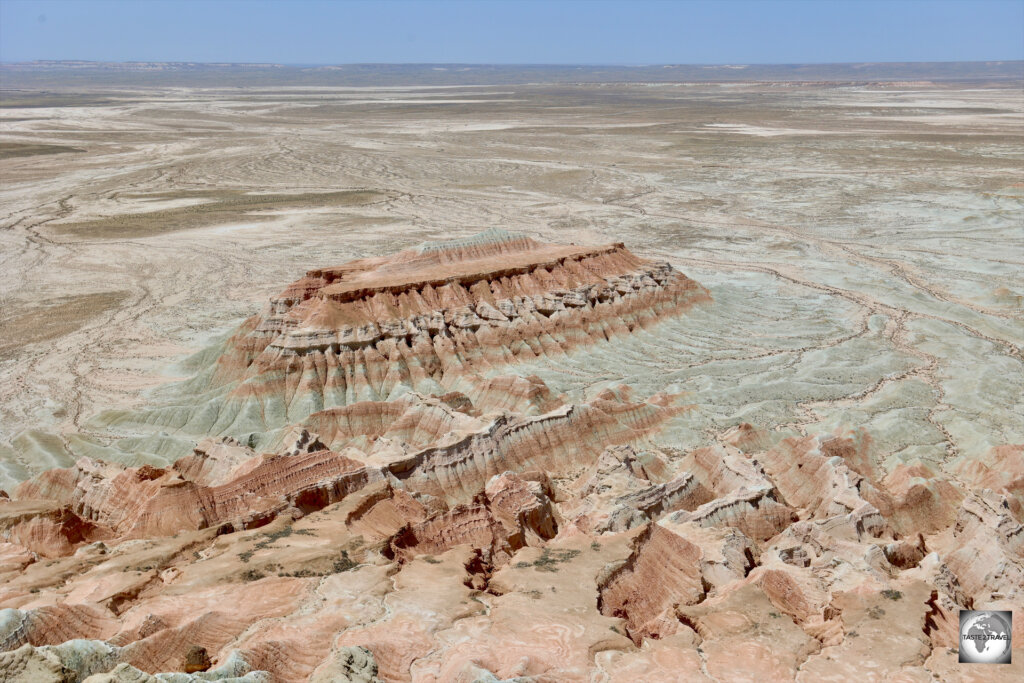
column 380, row 496
column 443, row 317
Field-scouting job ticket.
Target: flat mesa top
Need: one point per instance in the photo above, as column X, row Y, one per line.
column 493, row 253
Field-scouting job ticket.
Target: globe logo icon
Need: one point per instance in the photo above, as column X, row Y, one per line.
column 985, row 637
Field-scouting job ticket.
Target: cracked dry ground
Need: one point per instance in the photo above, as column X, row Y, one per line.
column 507, row 457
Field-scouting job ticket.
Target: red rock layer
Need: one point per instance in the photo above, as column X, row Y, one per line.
column 146, row 501
column 662, row 572
column 556, row 442
column 506, row 517
column 415, row 420
column 775, row 574
column 423, row 320
column 227, row 487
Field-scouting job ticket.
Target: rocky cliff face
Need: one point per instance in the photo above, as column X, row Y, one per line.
column 419, row 512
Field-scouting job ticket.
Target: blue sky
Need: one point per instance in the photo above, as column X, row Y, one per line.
column 522, row 32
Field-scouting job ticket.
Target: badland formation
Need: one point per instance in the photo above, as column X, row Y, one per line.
column 731, row 391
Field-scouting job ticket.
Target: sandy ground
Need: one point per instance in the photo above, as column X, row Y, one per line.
column 864, row 245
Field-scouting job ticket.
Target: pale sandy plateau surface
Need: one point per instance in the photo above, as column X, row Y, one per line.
column 775, row 434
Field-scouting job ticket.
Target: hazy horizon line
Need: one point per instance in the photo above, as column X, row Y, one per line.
column 559, row 64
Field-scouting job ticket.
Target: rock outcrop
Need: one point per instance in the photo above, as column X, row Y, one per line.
column 447, row 316
column 380, row 495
